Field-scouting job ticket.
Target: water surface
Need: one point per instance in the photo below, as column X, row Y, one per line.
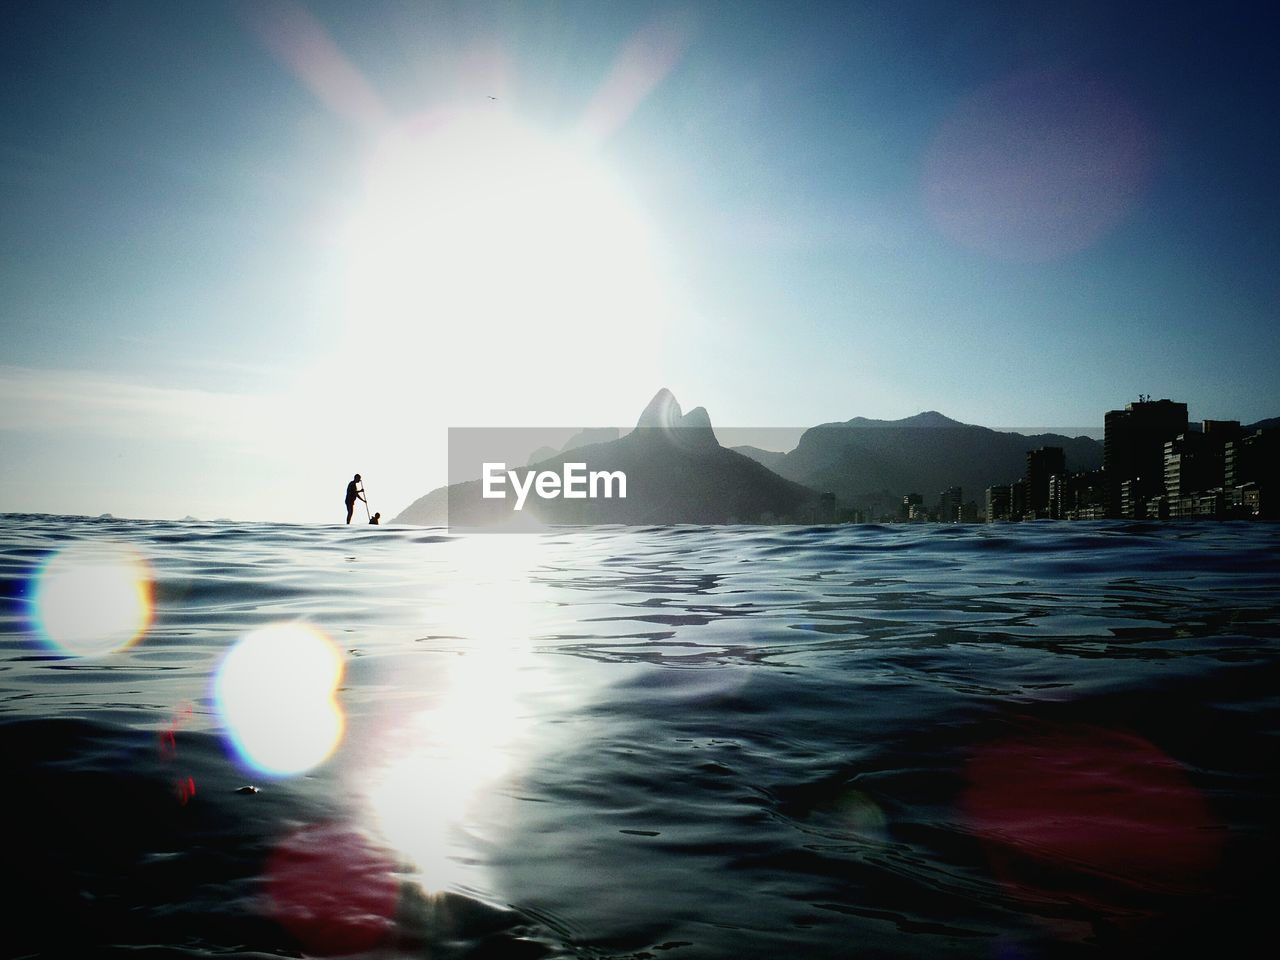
column 1015, row 740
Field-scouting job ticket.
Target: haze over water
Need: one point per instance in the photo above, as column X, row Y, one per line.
column 974, row 741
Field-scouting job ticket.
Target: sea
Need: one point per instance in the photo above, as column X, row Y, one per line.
column 999, row 741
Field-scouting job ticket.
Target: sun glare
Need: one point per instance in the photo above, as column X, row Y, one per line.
column 276, row 695
column 448, row 761
column 93, row 599
column 478, row 231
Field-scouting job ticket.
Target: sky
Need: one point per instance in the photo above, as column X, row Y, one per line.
column 252, row 248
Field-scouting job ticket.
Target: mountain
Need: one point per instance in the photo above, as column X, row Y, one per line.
column 770, row 458
column 923, row 454
column 580, row 439
column 930, row 419
column 676, row 472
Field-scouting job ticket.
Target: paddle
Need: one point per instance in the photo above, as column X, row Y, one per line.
column 364, row 498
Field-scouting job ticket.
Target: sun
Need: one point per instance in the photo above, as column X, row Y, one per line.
column 480, row 236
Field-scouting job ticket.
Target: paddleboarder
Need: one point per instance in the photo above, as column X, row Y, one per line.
column 354, row 493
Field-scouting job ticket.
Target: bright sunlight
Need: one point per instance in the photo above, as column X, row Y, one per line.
column 482, row 235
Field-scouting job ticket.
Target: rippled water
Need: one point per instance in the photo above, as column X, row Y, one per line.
column 1003, row 741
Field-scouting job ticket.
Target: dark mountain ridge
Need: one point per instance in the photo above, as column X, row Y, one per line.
column 925, row 454
column 679, row 473
column 676, row 472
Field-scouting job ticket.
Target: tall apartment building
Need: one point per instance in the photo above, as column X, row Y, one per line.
column 1195, row 463
column 910, row 504
column 949, row 503
column 1251, row 471
column 1133, row 451
column 997, row 503
column 1017, row 499
column 1042, row 464
column 1078, row 496
column 1186, row 463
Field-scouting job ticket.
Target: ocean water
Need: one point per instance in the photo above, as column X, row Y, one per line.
column 253, row 740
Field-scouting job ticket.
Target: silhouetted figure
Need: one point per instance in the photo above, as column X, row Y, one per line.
column 375, row 518
column 354, row 493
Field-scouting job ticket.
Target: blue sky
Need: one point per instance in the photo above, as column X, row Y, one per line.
column 249, row 249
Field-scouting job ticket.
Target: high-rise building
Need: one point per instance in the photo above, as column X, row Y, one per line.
column 910, row 501
column 1196, row 463
column 825, row 509
column 949, row 503
column 1070, row 492
column 1042, row 464
column 1252, row 465
column 1057, row 495
column 997, row 503
column 1080, row 496
column 1017, row 499
column 1133, row 450
column 1134, row 498
column 1186, row 458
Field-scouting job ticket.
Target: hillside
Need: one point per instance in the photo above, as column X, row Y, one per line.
column 923, row 454
column 676, row 470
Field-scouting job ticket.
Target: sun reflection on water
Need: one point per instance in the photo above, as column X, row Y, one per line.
column 92, row 599
column 449, row 759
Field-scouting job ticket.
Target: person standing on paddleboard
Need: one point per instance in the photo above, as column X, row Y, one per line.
column 354, row 493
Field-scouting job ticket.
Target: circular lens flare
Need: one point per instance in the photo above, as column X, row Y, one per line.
column 1060, row 809
column 1037, row 166
column 93, row 599
column 333, row 889
column 275, row 692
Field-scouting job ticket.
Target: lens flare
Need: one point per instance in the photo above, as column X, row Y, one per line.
column 276, row 695
column 1063, row 807
column 862, row 816
column 93, row 599
column 333, row 888
column 1037, row 166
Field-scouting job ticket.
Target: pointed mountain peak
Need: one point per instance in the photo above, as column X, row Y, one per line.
column 663, row 411
column 690, row 430
column 697, row 418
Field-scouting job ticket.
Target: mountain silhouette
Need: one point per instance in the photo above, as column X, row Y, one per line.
column 676, row 472
column 580, row 439
column 927, row 453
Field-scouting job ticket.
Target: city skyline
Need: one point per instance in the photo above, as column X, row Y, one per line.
column 253, row 248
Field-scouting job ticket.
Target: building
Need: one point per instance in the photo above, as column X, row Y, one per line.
column 824, row 511
column 1057, row 495
column 1134, row 497
column 1079, row 496
column 950, row 502
column 1251, row 465
column 997, row 503
column 1017, row 499
column 909, row 503
column 1043, row 464
column 1133, row 452
column 1186, row 468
